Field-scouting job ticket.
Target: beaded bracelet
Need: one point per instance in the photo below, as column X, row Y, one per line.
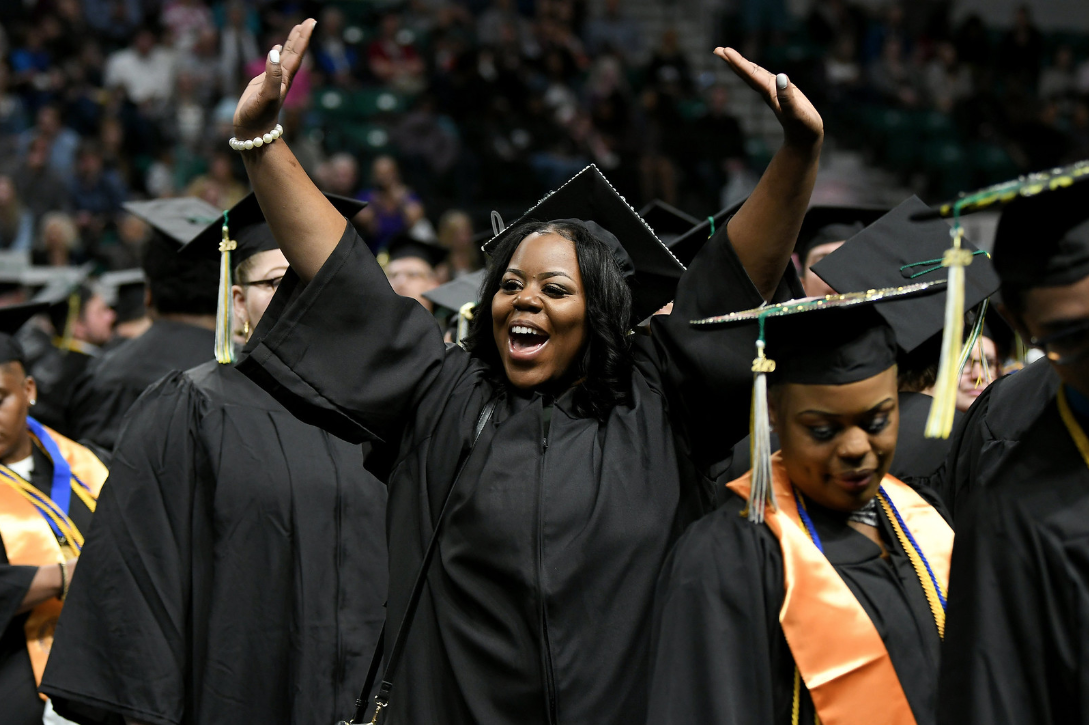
column 258, row 141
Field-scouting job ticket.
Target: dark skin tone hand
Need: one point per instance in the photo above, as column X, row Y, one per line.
column 17, row 389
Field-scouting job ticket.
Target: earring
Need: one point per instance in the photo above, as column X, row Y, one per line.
column 33, row 401
column 246, row 329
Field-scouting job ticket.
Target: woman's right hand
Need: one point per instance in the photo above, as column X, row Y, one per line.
column 259, row 106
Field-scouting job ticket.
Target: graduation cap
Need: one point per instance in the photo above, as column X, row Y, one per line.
column 235, row 235
column 125, row 292
column 834, row 340
column 460, row 296
column 65, row 291
column 895, row 250
column 667, row 221
column 687, row 246
column 649, row 268
column 404, row 246
column 825, row 224
column 180, row 220
column 12, row 318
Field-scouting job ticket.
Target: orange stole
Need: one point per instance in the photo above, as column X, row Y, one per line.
column 29, row 541
column 837, row 650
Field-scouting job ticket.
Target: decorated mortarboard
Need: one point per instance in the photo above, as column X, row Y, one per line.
column 124, row 291
column 12, row 318
column 826, row 224
column 667, row 221
column 687, row 246
column 236, row 235
column 896, row 250
column 649, row 268
column 834, row 340
column 1042, row 240
column 403, row 246
column 460, row 296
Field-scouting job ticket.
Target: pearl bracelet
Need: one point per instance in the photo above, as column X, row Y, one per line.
column 258, row 141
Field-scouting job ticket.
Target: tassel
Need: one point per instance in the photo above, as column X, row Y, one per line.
column 225, row 308
column 465, row 316
column 761, row 493
column 939, row 423
column 70, row 321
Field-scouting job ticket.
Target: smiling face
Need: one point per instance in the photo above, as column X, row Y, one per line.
column 539, row 312
column 838, row 440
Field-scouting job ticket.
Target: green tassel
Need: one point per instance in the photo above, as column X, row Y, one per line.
column 225, row 307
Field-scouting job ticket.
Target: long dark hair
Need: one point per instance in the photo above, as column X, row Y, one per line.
column 603, row 371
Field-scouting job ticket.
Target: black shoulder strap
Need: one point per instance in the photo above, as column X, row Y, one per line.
column 382, row 698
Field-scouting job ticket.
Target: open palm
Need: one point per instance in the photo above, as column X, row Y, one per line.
column 259, row 106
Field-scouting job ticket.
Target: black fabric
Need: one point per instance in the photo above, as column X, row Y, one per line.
column 990, row 430
column 667, row 221
column 1016, row 647
column 917, row 457
column 686, row 246
column 12, row 318
column 823, row 224
column 55, row 373
column 236, row 571
column 889, row 253
column 538, row 603
column 718, row 652
column 403, row 246
column 19, row 701
column 1043, row 240
column 253, row 239
column 113, row 382
column 829, row 347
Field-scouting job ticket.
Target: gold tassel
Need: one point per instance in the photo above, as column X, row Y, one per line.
column 225, row 308
column 939, row 423
column 70, row 321
column 465, row 316
column 761, row 493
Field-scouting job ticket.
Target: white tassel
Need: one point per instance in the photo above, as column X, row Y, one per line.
column 225, row 308
column 939, row 423
column 761, row 493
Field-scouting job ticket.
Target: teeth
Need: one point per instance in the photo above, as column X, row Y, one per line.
column 522, row 330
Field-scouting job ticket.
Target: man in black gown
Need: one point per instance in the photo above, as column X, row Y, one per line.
column 183, row 307
column 1016, row 645
column 237, row 570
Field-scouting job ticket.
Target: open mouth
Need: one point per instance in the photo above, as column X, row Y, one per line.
column 526, row 341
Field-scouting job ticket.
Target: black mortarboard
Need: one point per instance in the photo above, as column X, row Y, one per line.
column 459, row 292
column 824, row 224
column 667, row 221
column 649, row 268
column 180, row 220
column 64, row 290
column 895, row 251
column 12, row 318
column 686, row 246
column 402, row 245
column 125, row 292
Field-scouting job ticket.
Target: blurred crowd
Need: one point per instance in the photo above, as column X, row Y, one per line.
column 436, row 111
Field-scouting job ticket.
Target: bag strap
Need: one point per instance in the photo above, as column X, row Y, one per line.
column 382, row 698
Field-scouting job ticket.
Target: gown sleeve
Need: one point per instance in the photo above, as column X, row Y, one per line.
column 344, row 352
column 121, row 645
column 708, row 373
column 712, row 640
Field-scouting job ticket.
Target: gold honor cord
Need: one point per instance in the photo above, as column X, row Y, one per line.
column 933, row 595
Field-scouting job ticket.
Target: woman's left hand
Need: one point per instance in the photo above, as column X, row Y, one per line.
column 802, row 125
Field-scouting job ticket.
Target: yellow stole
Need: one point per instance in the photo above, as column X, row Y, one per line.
column 836, row 647
column 29, row 540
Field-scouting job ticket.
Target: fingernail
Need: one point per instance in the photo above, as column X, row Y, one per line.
column 274, row 56
column 781, row 81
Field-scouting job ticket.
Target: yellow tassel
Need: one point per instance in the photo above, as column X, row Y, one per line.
column 225, row 308
column 465, row 316
column 70, row 321
column 761, row 493
column 939, row 424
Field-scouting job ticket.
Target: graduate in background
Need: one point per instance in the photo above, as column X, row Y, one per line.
column 237, row 569
column 825, row 605
column 411, row 267
column 48, row 489
column 1019, row 596
column 825, row 230
column 127, row 292
column 182, row 304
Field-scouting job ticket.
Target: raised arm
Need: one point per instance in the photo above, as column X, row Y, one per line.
column 765, row 228
column 305, row 224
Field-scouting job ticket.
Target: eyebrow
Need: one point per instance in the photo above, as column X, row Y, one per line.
column 829, row 414
column 542, row 275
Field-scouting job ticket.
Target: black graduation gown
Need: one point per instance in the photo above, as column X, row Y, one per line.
column 236, row 571
column 1016, row 648
column 116, row 379
column 55, row 372
column 916, row 455
column 719, row 654
column 539, row 597
column 990, row 429
column 19, row 701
